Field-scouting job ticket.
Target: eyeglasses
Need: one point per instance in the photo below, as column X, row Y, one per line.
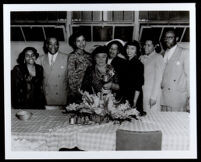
column 168, row 38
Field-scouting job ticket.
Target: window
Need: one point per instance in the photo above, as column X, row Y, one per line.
column 36, row 32
column 33, row 33
column 37, row 16
column 98, row 25
column 179, row 32
column 76, row 16
column 102, row 33
column 163, row 15
column 86, row 30
column 179, row 15
column 118, row 16
column 87, row 16
column 157, row 32
column 129, row 15
column 124, row 32
column 107, row 16
column 16, row 34
column 186, row 37
column 97, row 16
column 59, row 32
column 150, row 33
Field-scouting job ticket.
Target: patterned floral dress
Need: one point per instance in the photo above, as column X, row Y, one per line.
column 77, row 65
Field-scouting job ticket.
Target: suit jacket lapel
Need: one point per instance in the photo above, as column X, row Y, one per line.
column 175, row 54
column 56, row 62
column 47, row 67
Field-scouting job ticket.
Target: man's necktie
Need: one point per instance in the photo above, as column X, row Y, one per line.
column 52, row 60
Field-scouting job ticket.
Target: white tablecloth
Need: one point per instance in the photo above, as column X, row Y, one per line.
column 49, row 130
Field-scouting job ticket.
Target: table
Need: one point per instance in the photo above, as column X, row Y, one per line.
column 49, row 130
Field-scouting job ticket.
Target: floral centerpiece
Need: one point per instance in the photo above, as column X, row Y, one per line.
column 81, row 112
column 122, row 112
column 72, row 109
column 102, row 107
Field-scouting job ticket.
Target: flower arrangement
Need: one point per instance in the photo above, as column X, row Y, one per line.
column 103, row 108
column 123, row 112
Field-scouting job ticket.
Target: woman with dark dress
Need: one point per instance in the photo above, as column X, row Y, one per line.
column 78, row 61
column 134, row 76
column 26, row 81
column 118, row 60
column 100, row 77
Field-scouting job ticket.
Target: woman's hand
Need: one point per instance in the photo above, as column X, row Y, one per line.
column 152, row 102
column 108, row 86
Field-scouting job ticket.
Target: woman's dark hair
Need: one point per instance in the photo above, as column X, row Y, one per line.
column 46, row 42
column 99, row 49
column 119, row 45
column 132, row 43
column 21, row 57
column 155, row 43
column 73, row 37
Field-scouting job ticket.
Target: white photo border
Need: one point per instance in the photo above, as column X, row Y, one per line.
column 191, row 154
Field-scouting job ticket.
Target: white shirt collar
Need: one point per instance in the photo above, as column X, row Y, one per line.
column 50, row 57
column 169, row 53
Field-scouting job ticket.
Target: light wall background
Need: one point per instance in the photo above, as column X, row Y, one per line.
column 17, row 47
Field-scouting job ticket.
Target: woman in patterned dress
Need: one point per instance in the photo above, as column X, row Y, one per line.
column 78, row 62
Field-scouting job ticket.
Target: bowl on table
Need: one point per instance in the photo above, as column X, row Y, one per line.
column 23, row 115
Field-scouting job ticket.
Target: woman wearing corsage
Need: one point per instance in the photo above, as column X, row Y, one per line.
column 100, row 77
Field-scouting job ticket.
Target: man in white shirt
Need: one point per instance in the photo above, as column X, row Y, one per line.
column 54, row 64
column 52, row 58
column 169, row 53
column 175, row 82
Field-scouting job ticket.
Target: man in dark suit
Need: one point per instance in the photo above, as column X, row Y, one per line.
column 55, row 74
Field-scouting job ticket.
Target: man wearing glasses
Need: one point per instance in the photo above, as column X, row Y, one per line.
column 175, row 82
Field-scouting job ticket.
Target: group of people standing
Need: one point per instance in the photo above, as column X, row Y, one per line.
column 145, row 78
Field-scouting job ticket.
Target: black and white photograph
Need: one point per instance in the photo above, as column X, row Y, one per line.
column 100, row 81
